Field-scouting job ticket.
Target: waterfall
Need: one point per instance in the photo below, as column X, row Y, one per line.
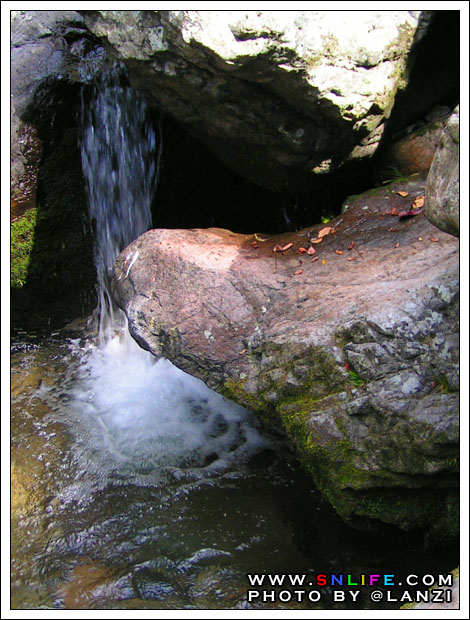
column 118, row 159
column 137, row 415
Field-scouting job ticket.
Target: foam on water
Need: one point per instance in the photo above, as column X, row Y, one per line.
column 138, row 416
column 144, row 418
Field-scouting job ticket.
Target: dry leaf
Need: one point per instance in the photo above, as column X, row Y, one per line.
column 433, row 239
column 325, row 231
column 286, row 247
column 301, row 250
column 315, row 258
column 397, row 245
column 350, row 258
column 351, row 245
column 410, row 213
column 262, row 239
column 298, row 272
column 402, row 194
column 311, row 251
column 316, row 240
column 418, row 203
column 339, row 252
column 254, row 245
column 323, row 262
column 420, row 239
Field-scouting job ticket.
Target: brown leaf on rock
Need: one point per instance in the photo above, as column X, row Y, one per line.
column 325, row 231
column 314, row 259
column 433, row 239
column 316, row 240
column 298, row 272
column 401, row 193
column 351, row 258
column 351, row 245
column 410, row 213
column 418, row 202
column 311, row 251
column 286, row 247
column 397, row 245
column 339, row 252
column 301, row 250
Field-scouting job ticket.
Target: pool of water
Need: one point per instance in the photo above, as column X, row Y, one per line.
column 136, row 487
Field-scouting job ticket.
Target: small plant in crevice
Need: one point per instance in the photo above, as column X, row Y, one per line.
column 354, row 378
column 441, row 383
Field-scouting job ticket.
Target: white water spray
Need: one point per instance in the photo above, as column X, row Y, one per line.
column 139, row 415
column 118, row 159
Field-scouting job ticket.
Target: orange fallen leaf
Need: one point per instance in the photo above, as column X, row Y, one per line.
column 301, row 250
column 397, row 245
column 433, row 239
column 298, row 272
column 323, row 262
column 286, row 247
column 315, row 258
column 402, row 194
column 316, row 240
column 418, row 203
column 325, row 231
column 339, row 252
column 351, row 245
column 311, row 251
column 350, row 258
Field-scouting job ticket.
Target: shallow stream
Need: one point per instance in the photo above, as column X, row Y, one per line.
column 136, row 487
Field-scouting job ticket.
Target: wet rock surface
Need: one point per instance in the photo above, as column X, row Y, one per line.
column 356, row 360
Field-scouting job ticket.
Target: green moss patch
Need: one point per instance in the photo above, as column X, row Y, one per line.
column 21, row 246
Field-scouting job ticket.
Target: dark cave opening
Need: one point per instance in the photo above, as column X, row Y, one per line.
column 196, row 190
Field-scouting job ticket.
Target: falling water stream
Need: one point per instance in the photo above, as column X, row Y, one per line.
column 134, row 486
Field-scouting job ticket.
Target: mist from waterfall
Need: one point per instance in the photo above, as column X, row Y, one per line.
column 138, row 414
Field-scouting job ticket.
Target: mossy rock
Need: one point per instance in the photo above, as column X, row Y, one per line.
column 294, row 383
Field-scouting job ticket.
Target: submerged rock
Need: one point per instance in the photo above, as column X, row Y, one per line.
column 356, row 360
column 443, row 184
column 279, row 96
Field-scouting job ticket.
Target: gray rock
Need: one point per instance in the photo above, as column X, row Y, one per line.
column 275, row 94
column 374, row 434
column 45, row 45
column 443, row 185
